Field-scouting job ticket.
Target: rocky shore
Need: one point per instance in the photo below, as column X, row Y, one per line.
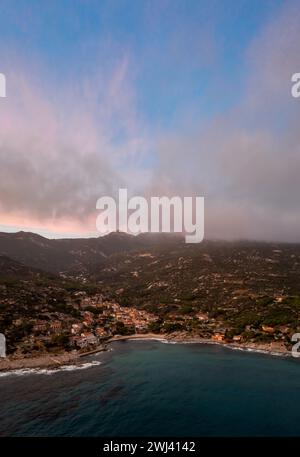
column 41, row 361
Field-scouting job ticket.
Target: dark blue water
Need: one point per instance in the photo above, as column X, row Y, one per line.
column 154, row 389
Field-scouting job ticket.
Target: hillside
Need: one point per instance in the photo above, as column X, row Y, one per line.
column 71, row 255
column 228, row 291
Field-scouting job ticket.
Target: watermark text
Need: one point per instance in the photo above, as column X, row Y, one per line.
column 2, row 85
column 160, row 214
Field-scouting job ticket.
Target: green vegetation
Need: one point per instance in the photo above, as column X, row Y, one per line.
column 122, row 329
column 186, row 309
column 243, row 288
column 170, row 327
column 155, row 327
column 60, row 339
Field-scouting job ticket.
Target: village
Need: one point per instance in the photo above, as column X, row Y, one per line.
column 86, row 322
column 98, row 321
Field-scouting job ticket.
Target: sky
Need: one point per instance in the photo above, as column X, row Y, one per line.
column 163, row 97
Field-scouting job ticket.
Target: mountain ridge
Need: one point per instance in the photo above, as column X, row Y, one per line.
column 71, row 254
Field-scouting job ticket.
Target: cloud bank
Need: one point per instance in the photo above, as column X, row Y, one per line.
column 246, row 162
column 63, row 148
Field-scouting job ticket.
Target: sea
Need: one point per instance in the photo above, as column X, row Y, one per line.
column 150, row 388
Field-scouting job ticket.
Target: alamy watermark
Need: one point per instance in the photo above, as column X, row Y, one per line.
column 296, row 346
column 295, row 90
column 2, row 85
column 2, row 345
column 164, row 214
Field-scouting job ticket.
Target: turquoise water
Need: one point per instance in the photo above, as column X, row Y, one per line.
column 154, row 389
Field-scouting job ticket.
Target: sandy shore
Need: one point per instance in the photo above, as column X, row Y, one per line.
column 142, row 336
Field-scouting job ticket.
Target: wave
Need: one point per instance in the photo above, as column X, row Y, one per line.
column 240, row 348
column 216, row 343
column 259, row 351
column 50, row 371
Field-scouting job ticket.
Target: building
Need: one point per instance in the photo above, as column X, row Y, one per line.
column 78, row 341
column 39, row 326
column 218, row 337
column 268, row 329
column 76, row 329
column 140, row 328
column 84, row 340
column 101, row 332
column 90, row 338
column 202, row 316
column 56, row 325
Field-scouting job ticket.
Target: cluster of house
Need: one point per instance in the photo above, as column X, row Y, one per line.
column 220, row 335
column 94, row 328
column 132, row 317
column 267, row 329
column 99, row 320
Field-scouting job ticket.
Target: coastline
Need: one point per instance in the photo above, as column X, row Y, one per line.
column 273, row 348
column 54, row 361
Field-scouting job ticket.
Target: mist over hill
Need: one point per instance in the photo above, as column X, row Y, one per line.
column 79, row 254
